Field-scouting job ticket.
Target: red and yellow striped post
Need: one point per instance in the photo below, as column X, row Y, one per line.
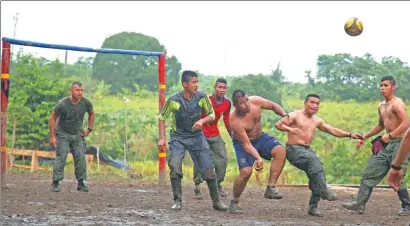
column 4, row 100
column 161, row 153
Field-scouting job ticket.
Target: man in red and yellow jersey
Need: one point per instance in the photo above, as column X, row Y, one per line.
column 222, row 108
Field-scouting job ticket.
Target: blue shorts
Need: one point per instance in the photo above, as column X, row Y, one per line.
column 264, row 145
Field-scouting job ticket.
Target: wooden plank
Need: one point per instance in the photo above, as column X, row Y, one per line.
column 19, row 152
column 21, row 166
column 43, row 154
column 35, row 154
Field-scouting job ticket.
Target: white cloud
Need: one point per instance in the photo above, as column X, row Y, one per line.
column 220, row 38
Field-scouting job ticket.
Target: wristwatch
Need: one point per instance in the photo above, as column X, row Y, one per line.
column 395, row 167
column 89, row 129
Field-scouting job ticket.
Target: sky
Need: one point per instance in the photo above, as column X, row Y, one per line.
column 219, row 38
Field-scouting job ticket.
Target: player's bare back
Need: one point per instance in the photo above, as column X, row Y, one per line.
column 387, row 112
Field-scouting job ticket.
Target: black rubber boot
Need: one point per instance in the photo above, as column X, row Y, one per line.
column 313, row 203
column 54, row 187
column 359, row 205
column 272, row 193
column 214, row 193
column 405, row 202
column 177, row 193
column 81, row 186
column 320, row 181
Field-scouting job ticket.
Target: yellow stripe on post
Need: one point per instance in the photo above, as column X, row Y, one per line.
column 162, row 154
column 5, row 76
column 162, row 86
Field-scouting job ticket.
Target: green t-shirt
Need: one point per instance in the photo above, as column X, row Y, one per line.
column 184, row 113
column 70, row 116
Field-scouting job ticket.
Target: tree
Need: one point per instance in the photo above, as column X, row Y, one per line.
column 35, row 89
column 123, row 71
column 347, row 77
column 277, row 76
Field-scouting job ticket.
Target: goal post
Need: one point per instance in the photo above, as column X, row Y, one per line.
column 5, row 87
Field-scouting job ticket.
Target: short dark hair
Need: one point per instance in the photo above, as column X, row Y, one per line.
column 187, row 75
column 311, row 95
column 76, row 83
column 221, row 80
column 389, row 78
column 237, row 94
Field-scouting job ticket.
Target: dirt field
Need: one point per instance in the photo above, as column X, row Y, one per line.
column 28, row 201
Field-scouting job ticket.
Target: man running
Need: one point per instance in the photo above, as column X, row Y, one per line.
column 251, row 144
column 301, row 126
column 222, row 107
column 186, row 134
column 394, row 119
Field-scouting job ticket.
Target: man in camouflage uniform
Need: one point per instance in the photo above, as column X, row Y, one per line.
column 67, row 135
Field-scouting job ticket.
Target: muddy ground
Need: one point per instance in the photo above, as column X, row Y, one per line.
column 28, row 201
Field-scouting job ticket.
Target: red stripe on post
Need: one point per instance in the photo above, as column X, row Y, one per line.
column 4, row 100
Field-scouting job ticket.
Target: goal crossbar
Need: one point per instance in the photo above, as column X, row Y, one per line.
column 80, row 49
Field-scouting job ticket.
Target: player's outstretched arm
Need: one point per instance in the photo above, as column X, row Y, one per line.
column 269, row 105
column 323, row 126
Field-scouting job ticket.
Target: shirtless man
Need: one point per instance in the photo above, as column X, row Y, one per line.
column 301, row 126
column 251, row 144
column 393, row 118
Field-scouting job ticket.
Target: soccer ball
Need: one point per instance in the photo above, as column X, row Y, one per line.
column 354, row 26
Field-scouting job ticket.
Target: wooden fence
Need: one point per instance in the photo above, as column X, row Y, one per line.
column 35, row 155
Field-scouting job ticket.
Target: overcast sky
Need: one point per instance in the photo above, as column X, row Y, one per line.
column 220, row 38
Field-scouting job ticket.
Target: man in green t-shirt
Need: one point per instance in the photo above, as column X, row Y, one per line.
column 67, row 135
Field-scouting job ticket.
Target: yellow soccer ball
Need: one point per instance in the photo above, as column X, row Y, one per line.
column 354, row 26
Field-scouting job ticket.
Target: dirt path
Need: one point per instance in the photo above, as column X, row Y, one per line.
column 28, row 201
